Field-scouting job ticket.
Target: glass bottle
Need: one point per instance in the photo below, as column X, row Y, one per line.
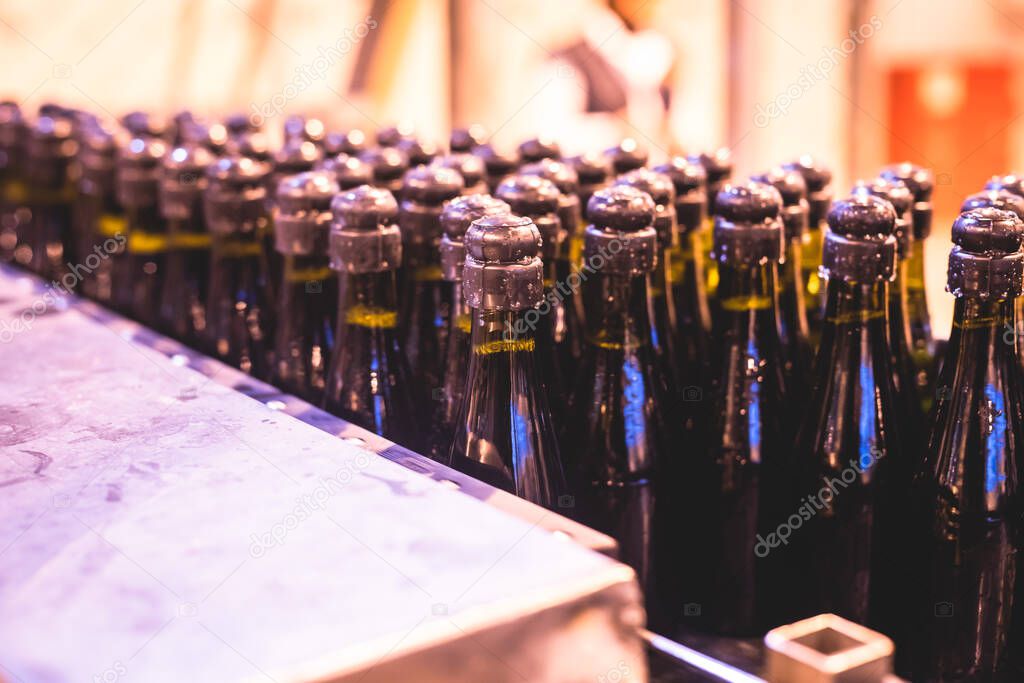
column 45, row 244
column 538, row 148
column 1014, row 185
column 369, row 383
column 352, row 142
column 967, row 497
column 12, row 177
column 718, row 168
column 498, row 164
column 689, row 294
column 184, row 295
column 99, row 219
column 426, row 298
column 307, row 296
column 536, row 198
column 618, row 429
column 239, row 322
column 920, row 182
column 594, row 173
column 792, row 310
column 569, row 331
column 389, row 165
column 141, row 275
column 662, row 303
column 852, row 477
column 626, row 156
column 469, row 166
column 743, row 476
column 818, row 179
column 297, row 155
column 504, row 433
column 456, row 218
column 349, row 171
column 904, row 372
column 464, row 140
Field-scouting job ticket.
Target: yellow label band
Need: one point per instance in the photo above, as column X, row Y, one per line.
column 746, row 303
column 110, row 225
column 504, row 346
column 464, row 323
column 191, row 240
column 430, row 273
column 375, row 318
column 982, row 323
column 238, row 249
column 38, row 195
column 140, row 242
column 308, row 274
column 861, row 316
column 14, row 192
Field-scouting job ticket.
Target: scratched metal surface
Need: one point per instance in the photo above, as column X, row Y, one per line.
column 157, row 526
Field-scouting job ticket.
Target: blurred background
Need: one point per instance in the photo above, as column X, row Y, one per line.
column 858, row 83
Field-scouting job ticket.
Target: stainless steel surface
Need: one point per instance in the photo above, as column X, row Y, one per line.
column 158, row 526
column 827, row 649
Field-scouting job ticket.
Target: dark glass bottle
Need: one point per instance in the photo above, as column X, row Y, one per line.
column 307, row 296
column 99, row 219
column 470, row 167
column 137, row 183
column 456, row 218
column 12, row 179
column 504, row 434
column 498, row 164
column 299, row 129
column 852, row 481
column 352, row 142
column 718, row 168
column 618, row 429
column 819, row 198
column 419, row 152
column 389, row 165
column 967, row 497
column 662, row 303
column 391, row 136
column 920, row 182
column 239, row 322
column 349, row 171
column 536, row 198
column 903, row 370
column 369, row 383
column 50, row 195
column 1014, row 185
column 426, row 299
column 792, row 310
column 187, row 273
column 295, row 156
column 538, row 148
column 594, row 173
column 689, row 295
column 742, row 477
column 569, row 331
column 626, row 156
column 465, row 139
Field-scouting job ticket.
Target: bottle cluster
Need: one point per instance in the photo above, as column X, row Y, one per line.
column 735, row 379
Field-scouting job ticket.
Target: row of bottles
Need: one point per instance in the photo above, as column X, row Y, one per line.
column 736, row 380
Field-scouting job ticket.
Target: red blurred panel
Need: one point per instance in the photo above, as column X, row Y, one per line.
column 930, row 122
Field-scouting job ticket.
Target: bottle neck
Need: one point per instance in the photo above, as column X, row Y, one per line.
column 854, row 311
column 748, row 294
column 617, row 311
column 368, row 301
column 984, row 331
column 498, row 333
